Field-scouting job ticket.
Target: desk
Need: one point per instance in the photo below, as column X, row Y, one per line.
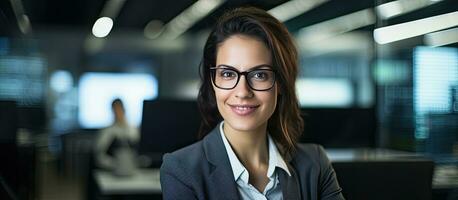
column 144, row 181
column 445, row 176
column 444, row 180
column 380, row 174
column 370, row 154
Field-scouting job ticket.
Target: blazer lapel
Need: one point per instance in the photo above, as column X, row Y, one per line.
column 221, row 176
column 289, row 184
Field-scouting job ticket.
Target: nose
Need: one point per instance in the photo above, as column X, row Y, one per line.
column 243, row 90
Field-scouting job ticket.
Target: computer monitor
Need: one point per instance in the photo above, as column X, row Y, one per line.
column 97, row 90
column 8, row 121
column 32, row 118
column 339, row 127
column 168, row 125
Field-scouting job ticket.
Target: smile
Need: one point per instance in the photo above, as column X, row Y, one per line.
column 243, row 110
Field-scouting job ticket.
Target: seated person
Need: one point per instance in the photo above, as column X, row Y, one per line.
column 116, row 144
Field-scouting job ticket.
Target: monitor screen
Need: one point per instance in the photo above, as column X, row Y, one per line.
column 8, row 121
column 98, row 90
column 339, row 127
column 168, row 125
column 32, row 118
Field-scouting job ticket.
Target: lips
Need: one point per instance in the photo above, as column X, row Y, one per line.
column 243, row 110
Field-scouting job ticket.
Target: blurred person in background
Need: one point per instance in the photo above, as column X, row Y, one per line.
column 116, row 144
column 251, row 121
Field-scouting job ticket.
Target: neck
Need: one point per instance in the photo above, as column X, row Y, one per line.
column 121, row 121
column 250, row 146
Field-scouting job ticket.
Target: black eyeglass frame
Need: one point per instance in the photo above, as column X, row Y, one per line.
column 244, row 73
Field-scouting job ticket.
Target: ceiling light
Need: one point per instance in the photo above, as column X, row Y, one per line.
column 389, row 10
column 396, row 8
column 153, row 29
column 294, row 8
column 24, row 24
column 102, row 27
column 352, row 21
column 337, row 26
column 442, row 38
column 411, row 29
column 189, row 17
column 23, row 20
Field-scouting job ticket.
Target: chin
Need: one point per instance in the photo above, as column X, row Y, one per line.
column 243, row 125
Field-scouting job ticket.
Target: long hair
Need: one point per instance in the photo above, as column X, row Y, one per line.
column 285, row 125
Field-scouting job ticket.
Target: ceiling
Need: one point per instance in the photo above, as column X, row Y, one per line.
column 135, row 14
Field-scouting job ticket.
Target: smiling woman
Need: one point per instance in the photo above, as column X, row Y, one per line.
column 249, row 102
column 251, row 121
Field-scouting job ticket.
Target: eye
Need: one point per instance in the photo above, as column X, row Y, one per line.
column 260, row 75
column 227, row 74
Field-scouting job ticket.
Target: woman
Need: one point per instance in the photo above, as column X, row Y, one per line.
column 251, row 120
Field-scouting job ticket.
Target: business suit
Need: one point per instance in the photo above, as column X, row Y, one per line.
column 203, row 171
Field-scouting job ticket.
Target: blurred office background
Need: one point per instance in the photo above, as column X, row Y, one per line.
column 378, row 83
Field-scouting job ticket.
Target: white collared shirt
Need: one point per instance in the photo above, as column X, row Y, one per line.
column 241, row 175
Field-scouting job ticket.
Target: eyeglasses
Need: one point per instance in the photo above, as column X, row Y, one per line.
column 227, row 77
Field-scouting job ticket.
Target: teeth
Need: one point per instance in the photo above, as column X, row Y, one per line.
column 242, row 108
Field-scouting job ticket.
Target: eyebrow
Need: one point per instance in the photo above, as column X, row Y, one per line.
column 250, row 69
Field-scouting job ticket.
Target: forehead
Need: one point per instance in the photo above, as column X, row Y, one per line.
column 243, row 52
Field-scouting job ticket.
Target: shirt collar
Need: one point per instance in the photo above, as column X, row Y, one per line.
column 239, row 171
column 275, row 158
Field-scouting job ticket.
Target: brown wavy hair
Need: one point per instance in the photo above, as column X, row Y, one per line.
column 286, row 124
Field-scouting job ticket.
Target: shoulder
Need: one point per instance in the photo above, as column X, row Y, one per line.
column 109, row 131
column 132, row 128
column 185, row 167
column 315, row 169
column 196, row 158
column 106, row 133
column 309, row 150
column 184, row 160
column 313, row 165
column 310, row 154
column 181, row 172
column 186, row 154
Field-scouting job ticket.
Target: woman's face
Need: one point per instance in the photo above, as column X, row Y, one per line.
column 243, row 108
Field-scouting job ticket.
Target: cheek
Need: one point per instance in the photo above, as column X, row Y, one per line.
column 271, row 99
column 220, row 96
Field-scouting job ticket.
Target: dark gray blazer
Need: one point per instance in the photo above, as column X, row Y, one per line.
column 203, row 171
